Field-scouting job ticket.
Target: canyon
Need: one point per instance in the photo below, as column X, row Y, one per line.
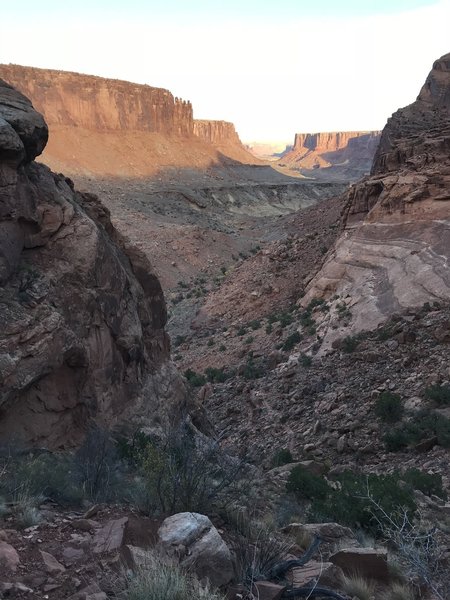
column 339, row 155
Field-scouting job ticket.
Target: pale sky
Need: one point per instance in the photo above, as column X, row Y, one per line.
column 273, row 68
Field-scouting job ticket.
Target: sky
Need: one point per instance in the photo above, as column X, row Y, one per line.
column 272, row 67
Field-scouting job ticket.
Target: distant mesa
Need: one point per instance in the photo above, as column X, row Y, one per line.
column 337, row 155
column 110, row 127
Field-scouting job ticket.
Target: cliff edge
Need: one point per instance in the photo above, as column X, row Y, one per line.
column 394, row 250
column 108, row 127
column 82, row 314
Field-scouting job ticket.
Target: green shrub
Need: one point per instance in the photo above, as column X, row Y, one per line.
column 291, row 341
column 183, row 473
column 215, row 375
column 269, row 329
column 349, row 344
column 252, row 370
column 194, row 379
column 349, row 504
column 423, row 425
column 389, row 407
column 241, row 331
column 255, row 325
column 180, row 339
column 282, row 457
column 306, row 485
column 249, row 340
column 440, row 394
column 305, row 360
column 425, row 482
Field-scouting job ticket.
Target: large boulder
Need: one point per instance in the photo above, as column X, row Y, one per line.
column 192, row 541
column 82, row 313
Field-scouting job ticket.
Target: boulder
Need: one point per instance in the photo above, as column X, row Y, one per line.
column 333, row 535
column 325, row 573
column 51, row 565
column 9, row 559
column 192, row 541
column 110, row 537
column 368, row 562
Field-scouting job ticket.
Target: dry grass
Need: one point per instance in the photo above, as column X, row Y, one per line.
column 398, row 591
column 356, row 586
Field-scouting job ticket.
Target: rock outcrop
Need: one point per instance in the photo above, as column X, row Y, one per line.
column 395, row 246
column 109, row 127
column 341, row 155
column 100, row 104
column 82, row 314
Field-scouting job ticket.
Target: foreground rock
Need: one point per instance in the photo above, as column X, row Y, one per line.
column 82, row 314
column 191, row 540
column 394, row 250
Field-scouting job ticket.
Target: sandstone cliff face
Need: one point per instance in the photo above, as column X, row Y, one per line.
column 100, row 104
column 81, row 314
column 115, row 128
column 395, row 247
column 216, row 132
column 336, row 155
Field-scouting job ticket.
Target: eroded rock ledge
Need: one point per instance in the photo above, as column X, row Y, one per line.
column 395, row 246
column 82, row 314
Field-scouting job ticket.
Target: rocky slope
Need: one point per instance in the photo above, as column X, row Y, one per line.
column 394, row 249
column 345, row 156
column 82, row 314
column 110, row 127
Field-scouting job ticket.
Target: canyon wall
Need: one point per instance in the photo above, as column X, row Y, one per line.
column 100, row 104
column 82, row 313
column 394, row 250
column 344, row 155
column 107, row 127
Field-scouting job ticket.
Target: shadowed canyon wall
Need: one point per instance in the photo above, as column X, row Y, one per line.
column 82, row 314
column 394, row 250
column 345, row 155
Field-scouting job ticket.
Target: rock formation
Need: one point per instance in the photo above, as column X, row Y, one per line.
column 395, row 246
column 109, row 127
column 336, row 155
column 81, row 313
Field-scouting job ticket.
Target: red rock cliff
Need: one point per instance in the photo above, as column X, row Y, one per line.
column 82, row 314
column 216, row 132
column 100, row 104
column 328, row 141
column 395, row 248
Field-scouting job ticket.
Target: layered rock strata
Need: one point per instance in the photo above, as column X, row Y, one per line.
column 345, row 155
column 82, row 314
column 107, row 127
column 394, row 250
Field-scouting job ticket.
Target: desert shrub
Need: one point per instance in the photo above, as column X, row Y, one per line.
column 215, row 375
column 291, row 341
column 257, row 550
column 252, row 370
column 241, row 331
column 180, row 339
column 96, row 465
column 349, row 344
column 356, row 586
column 285, row 319
column 222, row 348
column 282, row 457
column 440, row 394
column 194, row 379
column 428, row 483
column 389, row 407
column 156, row 580
column 423, row 425
column 305, row 360
column 249, row 340
column 306, row 485
column 210, row 342
column 348, row 503
column 186, row 472
column 255, row 325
